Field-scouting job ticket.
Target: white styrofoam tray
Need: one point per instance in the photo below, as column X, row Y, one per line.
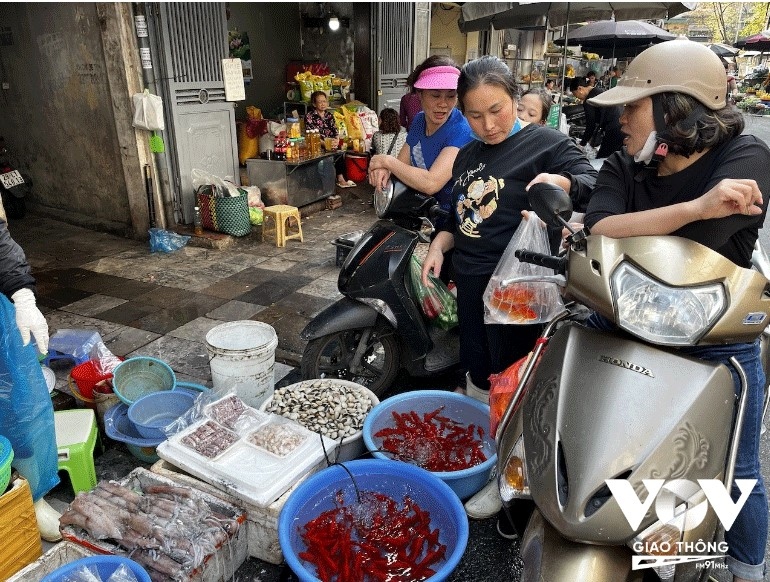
column 61, row 554
column 244, row 470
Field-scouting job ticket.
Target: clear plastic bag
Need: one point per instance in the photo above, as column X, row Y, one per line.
column 510, row 300
column 220, row 187
column 148, row 111
column 437, row 303
column 166, row 241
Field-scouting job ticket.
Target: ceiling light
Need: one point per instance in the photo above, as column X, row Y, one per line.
column 334, row 23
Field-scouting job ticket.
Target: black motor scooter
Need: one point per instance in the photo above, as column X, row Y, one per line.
column 14, row 186
column 377, row 328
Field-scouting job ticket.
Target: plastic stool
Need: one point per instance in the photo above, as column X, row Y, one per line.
column 279, row 215
column 76, row 434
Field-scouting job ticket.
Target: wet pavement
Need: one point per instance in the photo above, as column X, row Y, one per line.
column 163, row 304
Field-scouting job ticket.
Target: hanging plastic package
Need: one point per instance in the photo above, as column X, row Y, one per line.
column 26, row 411
column 148, row 111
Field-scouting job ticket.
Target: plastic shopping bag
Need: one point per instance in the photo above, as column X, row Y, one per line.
column 148, row 111
column 166, row 241
column 509, row 300
column 501, row 389
column 437, row 303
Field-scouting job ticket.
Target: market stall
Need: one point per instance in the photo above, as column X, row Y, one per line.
column 296, row 183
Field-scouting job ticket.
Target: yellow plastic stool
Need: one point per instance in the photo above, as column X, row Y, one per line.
column 279, row 215
column 76, row 434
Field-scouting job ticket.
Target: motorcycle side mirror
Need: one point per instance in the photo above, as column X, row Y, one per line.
column 551, row 203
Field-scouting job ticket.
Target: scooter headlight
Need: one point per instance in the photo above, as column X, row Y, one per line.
column 663, row 314
column 512, row 478
column 383, row 198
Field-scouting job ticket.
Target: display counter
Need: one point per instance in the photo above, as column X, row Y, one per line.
column 297, row 183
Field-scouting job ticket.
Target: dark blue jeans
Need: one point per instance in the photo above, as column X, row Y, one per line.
column 487, row 349
column 747, row 537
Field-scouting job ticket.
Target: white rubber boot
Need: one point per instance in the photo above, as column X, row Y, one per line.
column 487, row 502
column 474, row 391
column 47, row 521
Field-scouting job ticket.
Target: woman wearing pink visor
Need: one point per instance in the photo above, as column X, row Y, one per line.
column 435, row 136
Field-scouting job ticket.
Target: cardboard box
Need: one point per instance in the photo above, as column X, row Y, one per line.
column 21, row 543
column 61, row 554
column 262, row 521
column 218, row 566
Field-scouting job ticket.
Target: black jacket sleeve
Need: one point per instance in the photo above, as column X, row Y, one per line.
column 15, row 272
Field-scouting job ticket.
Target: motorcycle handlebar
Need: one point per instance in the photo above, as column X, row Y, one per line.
column 558, row 264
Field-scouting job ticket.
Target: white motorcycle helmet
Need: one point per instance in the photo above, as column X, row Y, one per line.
column 679, row 66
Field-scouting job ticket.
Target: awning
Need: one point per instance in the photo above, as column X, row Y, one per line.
column 522, row 15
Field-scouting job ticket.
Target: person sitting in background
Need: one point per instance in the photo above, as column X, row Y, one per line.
column 606, row 119
column 534, row 106
column 410, row 104
column 614, row 76
column 320, row 118
column 591, row 77
column 550, row 85
column 390, row 137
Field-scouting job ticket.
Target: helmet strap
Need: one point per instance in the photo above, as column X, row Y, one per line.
column 661, row 147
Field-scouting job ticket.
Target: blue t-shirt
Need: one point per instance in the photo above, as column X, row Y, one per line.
column 424, row 149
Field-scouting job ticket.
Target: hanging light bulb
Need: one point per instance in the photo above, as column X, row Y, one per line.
column 334, row 23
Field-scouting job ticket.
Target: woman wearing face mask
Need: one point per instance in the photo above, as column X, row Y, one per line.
column 505, row 157
column 435, row 136
column 534, row 106
column 687, row 171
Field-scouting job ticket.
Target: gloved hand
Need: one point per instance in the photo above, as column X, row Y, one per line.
column 30, row 320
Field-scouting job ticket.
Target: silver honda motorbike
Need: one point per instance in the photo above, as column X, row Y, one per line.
column 595, row 408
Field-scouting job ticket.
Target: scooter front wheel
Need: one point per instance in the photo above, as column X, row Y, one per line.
column 368, row 356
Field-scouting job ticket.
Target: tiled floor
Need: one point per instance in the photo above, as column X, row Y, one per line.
column 163, row 304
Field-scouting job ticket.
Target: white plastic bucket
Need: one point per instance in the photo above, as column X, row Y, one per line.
column 242, row 358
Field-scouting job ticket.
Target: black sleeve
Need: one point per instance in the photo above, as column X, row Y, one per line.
column 573, row 164
column 592, row 117
column 15, row 272
column 609, row 196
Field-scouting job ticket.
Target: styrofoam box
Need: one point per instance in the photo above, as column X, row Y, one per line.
column 262, row 520
column 59, row 555
column 248, row 472
column 219, row 566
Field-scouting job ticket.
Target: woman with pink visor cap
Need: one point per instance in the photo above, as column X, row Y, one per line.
column 435, row 136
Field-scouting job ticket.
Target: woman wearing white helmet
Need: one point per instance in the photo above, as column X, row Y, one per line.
column 687, row 171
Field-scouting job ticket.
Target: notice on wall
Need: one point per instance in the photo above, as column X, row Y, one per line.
column 232, row 73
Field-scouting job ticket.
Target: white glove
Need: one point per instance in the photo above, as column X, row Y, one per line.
column 30, row 320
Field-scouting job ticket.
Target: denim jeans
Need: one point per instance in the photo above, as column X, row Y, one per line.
column 747, row 537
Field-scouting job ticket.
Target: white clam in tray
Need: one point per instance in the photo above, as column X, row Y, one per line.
column 255, row 456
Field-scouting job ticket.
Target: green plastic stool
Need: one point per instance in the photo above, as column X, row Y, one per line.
column 76, row 434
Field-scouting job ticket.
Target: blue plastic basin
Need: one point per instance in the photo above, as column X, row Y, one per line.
column 459, row 408
column 151, row 413
column 319, row 492
column 105, row 565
